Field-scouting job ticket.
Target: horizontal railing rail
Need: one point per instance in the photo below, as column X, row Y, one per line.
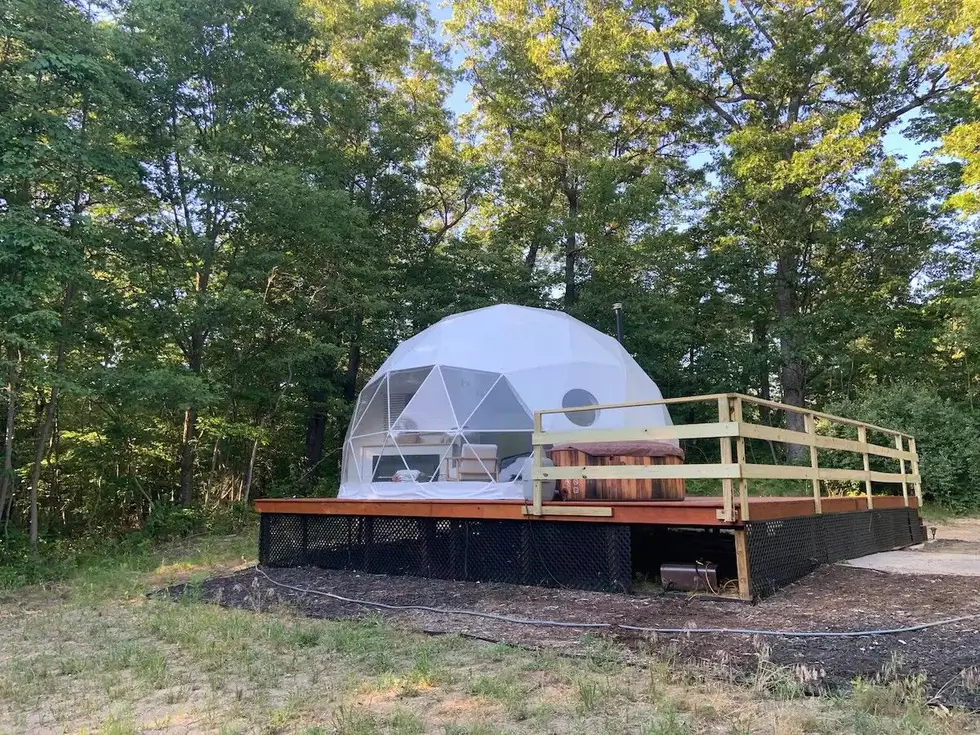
column 733, row 468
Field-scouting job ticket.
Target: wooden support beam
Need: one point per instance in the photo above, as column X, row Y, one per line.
column 863, row 439
column 828, row 416
column 810, row 422
column 572, row 510
column 537, row 452
column 632, row 434
column 725, row 442
column 796, row 472
column 917, row 481
column 742, row 564
column 787, row 436
column 640, row 472
column 899, row 442
column 639, row 404
column 743, row 484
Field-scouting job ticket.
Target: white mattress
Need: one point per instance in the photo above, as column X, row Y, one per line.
column 432, row 491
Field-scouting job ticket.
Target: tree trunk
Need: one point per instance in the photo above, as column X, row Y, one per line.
column 538, row 237
column 353, row 365
column 195, row 360
column 765, row 387
column 760, row 338
column 251, row 468
column 571, row 249
column 42, row 446
column 531, row 258
column 7, row 478
column 48, row 423
column 792, row 373
column 187, row 458
column 316, row 427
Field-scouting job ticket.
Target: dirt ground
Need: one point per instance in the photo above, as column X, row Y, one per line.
column 958, row 536
column 833, row 598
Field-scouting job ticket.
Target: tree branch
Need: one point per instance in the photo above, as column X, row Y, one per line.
column 701, row 94
column 758, row 24
column 917, row 101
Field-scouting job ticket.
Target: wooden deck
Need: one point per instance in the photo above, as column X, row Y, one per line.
column 692, row 511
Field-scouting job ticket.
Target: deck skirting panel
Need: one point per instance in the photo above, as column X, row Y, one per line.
column 783, row 550
column 586, row 554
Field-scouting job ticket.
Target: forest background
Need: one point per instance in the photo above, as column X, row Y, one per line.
column 218, row 217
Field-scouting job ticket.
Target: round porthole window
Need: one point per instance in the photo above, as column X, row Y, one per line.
column 577, row 397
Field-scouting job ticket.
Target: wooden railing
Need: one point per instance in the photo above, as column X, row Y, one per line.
column 733, row 468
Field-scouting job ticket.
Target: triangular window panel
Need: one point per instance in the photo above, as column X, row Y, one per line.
column 466, row 388
column 428, row 410
column 402, row 387
column 384, row 463
column 351, row 472
column 371, row 415
column 501, row 410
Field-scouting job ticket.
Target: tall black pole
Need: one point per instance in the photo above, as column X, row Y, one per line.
column 618, row 308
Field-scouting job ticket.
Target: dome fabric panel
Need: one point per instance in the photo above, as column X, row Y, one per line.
column 483, row 372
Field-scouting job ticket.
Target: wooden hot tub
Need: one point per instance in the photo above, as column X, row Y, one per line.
column 586, row 454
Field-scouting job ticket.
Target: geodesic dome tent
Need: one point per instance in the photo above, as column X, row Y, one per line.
column 450, row 412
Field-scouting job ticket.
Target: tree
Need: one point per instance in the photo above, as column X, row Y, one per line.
column 801, row 95
column 61, row 162
column 216, row 84
column 412, row 181
column 587, row 138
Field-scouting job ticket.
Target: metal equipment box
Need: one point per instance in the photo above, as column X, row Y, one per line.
column 697, row 577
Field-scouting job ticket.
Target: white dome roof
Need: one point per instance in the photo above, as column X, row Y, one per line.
column 451, row 408
column 505, row 338
column 543, row 354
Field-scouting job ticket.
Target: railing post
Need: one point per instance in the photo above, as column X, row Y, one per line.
column 742, row 565
column 810, row 422
column 725, row 442
column 900, row 446
column 538, row 455
column 863, row 439
column 743, row 484
column 917, row 484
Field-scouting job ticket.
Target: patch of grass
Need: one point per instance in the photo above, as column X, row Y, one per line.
column 933, row 513
column 588, row 695
column 349, row 721
column 403, row 722
column 896, row 697
column 85, row 662
column 101, row 569
column 483, row 728
column 497, row 652
column 666, row 723
column 757, row 488
column 602, row 654
column 115, row 725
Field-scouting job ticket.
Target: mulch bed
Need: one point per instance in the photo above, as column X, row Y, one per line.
column 832, row 598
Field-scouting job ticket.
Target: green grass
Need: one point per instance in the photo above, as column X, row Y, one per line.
column 937, row 514
column 83, row 658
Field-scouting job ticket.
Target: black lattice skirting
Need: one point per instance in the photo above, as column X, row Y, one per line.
column 590, row 556
column 782, row 551
column 582, row 555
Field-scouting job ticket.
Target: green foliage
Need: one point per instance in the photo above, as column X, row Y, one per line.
column 947, row 437
column 217, row 219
